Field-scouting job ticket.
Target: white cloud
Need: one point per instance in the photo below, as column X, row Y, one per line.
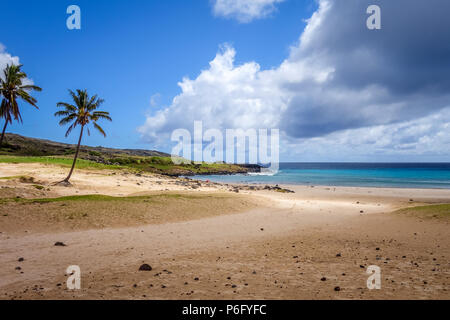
column 423, row 139
column 340, row 88
column 244, row 10
column 223, row 96
column 6, row 58
column 155, row 100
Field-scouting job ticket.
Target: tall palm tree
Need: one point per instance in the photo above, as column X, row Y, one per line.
column 12, row 88
column 82, row 112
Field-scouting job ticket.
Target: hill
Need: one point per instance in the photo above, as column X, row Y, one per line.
column 19, row 148
column 26, row 146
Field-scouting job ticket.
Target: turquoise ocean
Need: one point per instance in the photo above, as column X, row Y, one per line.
column 392, row 175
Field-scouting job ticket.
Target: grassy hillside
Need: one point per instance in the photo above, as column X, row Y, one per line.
column 25, row 146
column 20, row 149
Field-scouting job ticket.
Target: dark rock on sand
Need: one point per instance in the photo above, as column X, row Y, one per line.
column 145, row 267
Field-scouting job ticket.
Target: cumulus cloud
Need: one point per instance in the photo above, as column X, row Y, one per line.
column 422, row 139
column 6, row 58
column 339, row 79
column 244, row 10
column 222, row 96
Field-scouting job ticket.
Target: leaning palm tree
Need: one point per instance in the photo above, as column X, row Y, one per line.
column 82, row 112
column 12, row 88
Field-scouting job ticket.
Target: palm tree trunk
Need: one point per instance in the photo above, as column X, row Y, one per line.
column 76, row 156
column 3, row 133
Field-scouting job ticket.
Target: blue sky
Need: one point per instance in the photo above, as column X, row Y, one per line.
column 311, row 68
column 127, row 51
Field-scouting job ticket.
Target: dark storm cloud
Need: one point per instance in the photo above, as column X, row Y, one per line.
column 404, row 68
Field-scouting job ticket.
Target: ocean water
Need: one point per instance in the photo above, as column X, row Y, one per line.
column 394, row 175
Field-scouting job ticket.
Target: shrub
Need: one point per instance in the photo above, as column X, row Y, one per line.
column 95, row 153
column 161, row 160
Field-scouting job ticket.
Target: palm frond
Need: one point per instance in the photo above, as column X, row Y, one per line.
column 62, row 113
column 25, row 96
column 15, row 111
column 97, row 115
column 75, row 97
column 99, row 129
column 69, row 130
column 68, row 106
column 68, row 119
column 91, row 102
column 97, row 103
column 31, row 87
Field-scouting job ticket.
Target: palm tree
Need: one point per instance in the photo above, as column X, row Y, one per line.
column 12, row 88
column 81, row 113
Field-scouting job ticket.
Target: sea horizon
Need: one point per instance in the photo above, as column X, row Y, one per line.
column 416, row 175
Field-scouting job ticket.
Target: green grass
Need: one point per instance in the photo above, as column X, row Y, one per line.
column 162, row 165
column 430, row 211
column 165, row 165
column 65, row 162
column 13, row 177
column 104, row 198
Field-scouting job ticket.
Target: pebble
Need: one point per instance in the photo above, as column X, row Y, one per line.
column 145, row 267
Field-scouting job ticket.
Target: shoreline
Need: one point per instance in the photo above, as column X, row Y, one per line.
column 302, row 184
column 254, row 244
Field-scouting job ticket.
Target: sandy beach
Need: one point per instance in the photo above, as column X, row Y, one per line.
column 206, row 240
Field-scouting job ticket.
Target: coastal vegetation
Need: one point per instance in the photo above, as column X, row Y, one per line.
column 21, row 149
column 159, row 165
